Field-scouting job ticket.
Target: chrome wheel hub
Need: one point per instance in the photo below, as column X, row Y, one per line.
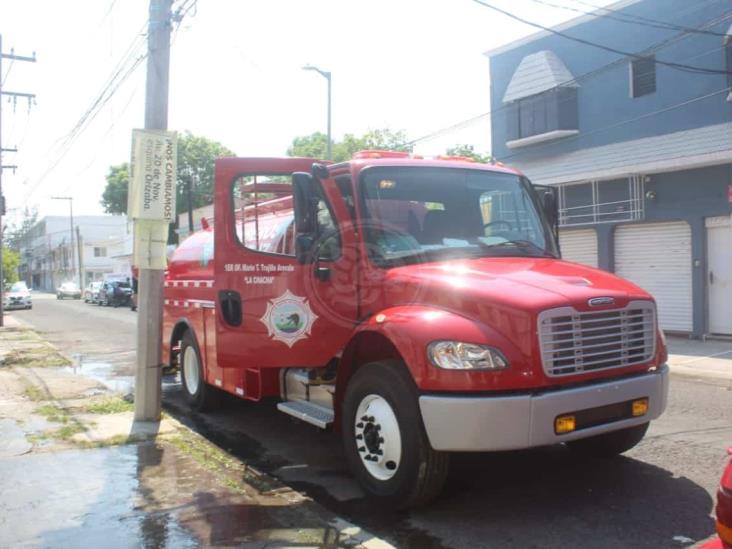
column 378, row 439
column 190, row 371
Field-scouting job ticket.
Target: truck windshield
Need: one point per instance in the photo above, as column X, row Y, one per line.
column 415, row 214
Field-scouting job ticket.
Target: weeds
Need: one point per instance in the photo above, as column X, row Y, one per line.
column 115, row 405
column 53, row 413
column 35, row 394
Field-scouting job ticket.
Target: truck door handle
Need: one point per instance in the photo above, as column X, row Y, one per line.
column 230, row 302
column 711, row 277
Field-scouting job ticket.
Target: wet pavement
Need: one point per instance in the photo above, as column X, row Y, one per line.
column 148, row 495
column 661, row 492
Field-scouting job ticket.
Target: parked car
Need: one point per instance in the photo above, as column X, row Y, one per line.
column 68, row 289
column 18, row 296
column 91, row 292
column 115, row 293
column 724, row 510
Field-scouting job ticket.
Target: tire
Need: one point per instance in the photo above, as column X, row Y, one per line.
column 384, row 392
column 609, row 444
column 199, row 395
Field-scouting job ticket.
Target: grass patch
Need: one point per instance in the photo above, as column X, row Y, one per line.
column 68, row 431
column 53, row 413
column 35, row 357
column 110, row 406
column 117, row 440
column 231, row 472
column 35, row 394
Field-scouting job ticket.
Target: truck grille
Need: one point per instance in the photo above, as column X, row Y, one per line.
column 573, row 342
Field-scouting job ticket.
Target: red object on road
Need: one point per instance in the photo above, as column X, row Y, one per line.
column 418, row 307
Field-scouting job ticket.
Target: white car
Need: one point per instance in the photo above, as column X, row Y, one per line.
column 17, row 297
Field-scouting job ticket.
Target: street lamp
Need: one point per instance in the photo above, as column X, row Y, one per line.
column 326, row 75
column 71, row 234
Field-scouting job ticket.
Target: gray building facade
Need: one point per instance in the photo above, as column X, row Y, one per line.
column 638, row 145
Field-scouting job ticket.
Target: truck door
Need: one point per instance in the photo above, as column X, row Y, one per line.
column 272, row 311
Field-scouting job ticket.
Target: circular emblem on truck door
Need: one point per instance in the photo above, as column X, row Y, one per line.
column 289, row 318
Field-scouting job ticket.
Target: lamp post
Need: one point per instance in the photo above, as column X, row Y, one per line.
column 71, row 234
column 326, row 75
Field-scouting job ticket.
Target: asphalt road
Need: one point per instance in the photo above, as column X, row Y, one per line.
column 660, row 494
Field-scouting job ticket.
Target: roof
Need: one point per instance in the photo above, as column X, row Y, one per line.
column 706, row 146
column 561, row 27
column 537, row 73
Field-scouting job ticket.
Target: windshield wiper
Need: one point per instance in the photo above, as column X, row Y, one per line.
column 523, row 245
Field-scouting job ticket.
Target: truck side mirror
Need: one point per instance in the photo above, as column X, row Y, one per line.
column 302, row 189
column 304, row 201
column 550, row 206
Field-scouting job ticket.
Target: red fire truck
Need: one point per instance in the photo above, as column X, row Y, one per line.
column 416, row 306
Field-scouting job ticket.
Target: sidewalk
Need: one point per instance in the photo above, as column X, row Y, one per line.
column 77, row 471
column 708, row 359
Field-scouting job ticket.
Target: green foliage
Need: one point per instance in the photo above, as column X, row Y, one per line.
column 17, row 232
column 315, row 145
column 11, row 261
column 196, row 157
column 110, row 406
column 114, row 197
column 469, row 152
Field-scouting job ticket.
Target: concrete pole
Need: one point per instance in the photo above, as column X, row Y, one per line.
column 80, row 252
column 150, row 281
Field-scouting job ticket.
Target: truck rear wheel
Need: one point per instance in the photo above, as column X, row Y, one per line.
column 610, row 444
column 384, row 438
column 199, row 395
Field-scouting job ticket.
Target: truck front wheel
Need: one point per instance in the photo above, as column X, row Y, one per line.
column 384, row 439
column 199, row 395
column 610, row 444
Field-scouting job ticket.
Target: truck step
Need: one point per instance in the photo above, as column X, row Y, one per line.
column 307, row 411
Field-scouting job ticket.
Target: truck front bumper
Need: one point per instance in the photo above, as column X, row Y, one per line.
column 485, row 423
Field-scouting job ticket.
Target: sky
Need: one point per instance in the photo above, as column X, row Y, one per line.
column 236, row 77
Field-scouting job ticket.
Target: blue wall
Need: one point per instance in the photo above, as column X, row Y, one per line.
column 604, row 98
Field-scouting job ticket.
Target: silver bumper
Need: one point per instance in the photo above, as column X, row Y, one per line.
column 458, row 423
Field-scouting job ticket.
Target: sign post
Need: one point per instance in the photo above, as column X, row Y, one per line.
column 151, row 204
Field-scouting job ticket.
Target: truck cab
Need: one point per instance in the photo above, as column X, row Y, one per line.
column 417, row 307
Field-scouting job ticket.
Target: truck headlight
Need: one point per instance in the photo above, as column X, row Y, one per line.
column 456, row 355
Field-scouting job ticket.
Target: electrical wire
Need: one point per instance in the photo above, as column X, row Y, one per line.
column 621, row 16
column 678, row 66
column 7, row 73
column 577, row 80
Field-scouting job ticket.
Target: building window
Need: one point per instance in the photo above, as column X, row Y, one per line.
column 643, row 76
column 602, row 201
column 100, row 252
column 551, row 111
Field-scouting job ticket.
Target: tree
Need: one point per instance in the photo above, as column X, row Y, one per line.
column 469, row 152
column 11, row 261
column 114, row 197
column 196, row 157
column 315, row 144
column 18, row 231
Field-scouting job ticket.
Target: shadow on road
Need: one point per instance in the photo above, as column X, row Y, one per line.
column 547, row 497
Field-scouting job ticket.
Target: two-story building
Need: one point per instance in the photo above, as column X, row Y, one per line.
column 49, row 253
column 632, row 121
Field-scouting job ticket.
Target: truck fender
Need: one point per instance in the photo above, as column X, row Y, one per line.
column 403, row 333
column 181, row 326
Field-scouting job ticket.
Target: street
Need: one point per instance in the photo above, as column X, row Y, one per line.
column 659, row 494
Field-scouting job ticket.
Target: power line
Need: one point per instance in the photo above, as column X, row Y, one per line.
column 594, row 72
column 648, row 19
column 678, row 66
column 633, row 20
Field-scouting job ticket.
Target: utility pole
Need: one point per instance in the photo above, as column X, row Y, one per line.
column 14, row 96
column 189, row 195
column 71, row 234
column 80, row 252
column 150, row 281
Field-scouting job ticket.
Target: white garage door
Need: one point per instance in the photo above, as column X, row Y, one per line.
column 579, row 246
column 657, row 257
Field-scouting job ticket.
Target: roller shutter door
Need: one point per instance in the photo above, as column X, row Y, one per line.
column 657, row 257
column 579, row 246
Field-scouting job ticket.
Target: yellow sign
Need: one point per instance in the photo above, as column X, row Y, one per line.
column 153, row 169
